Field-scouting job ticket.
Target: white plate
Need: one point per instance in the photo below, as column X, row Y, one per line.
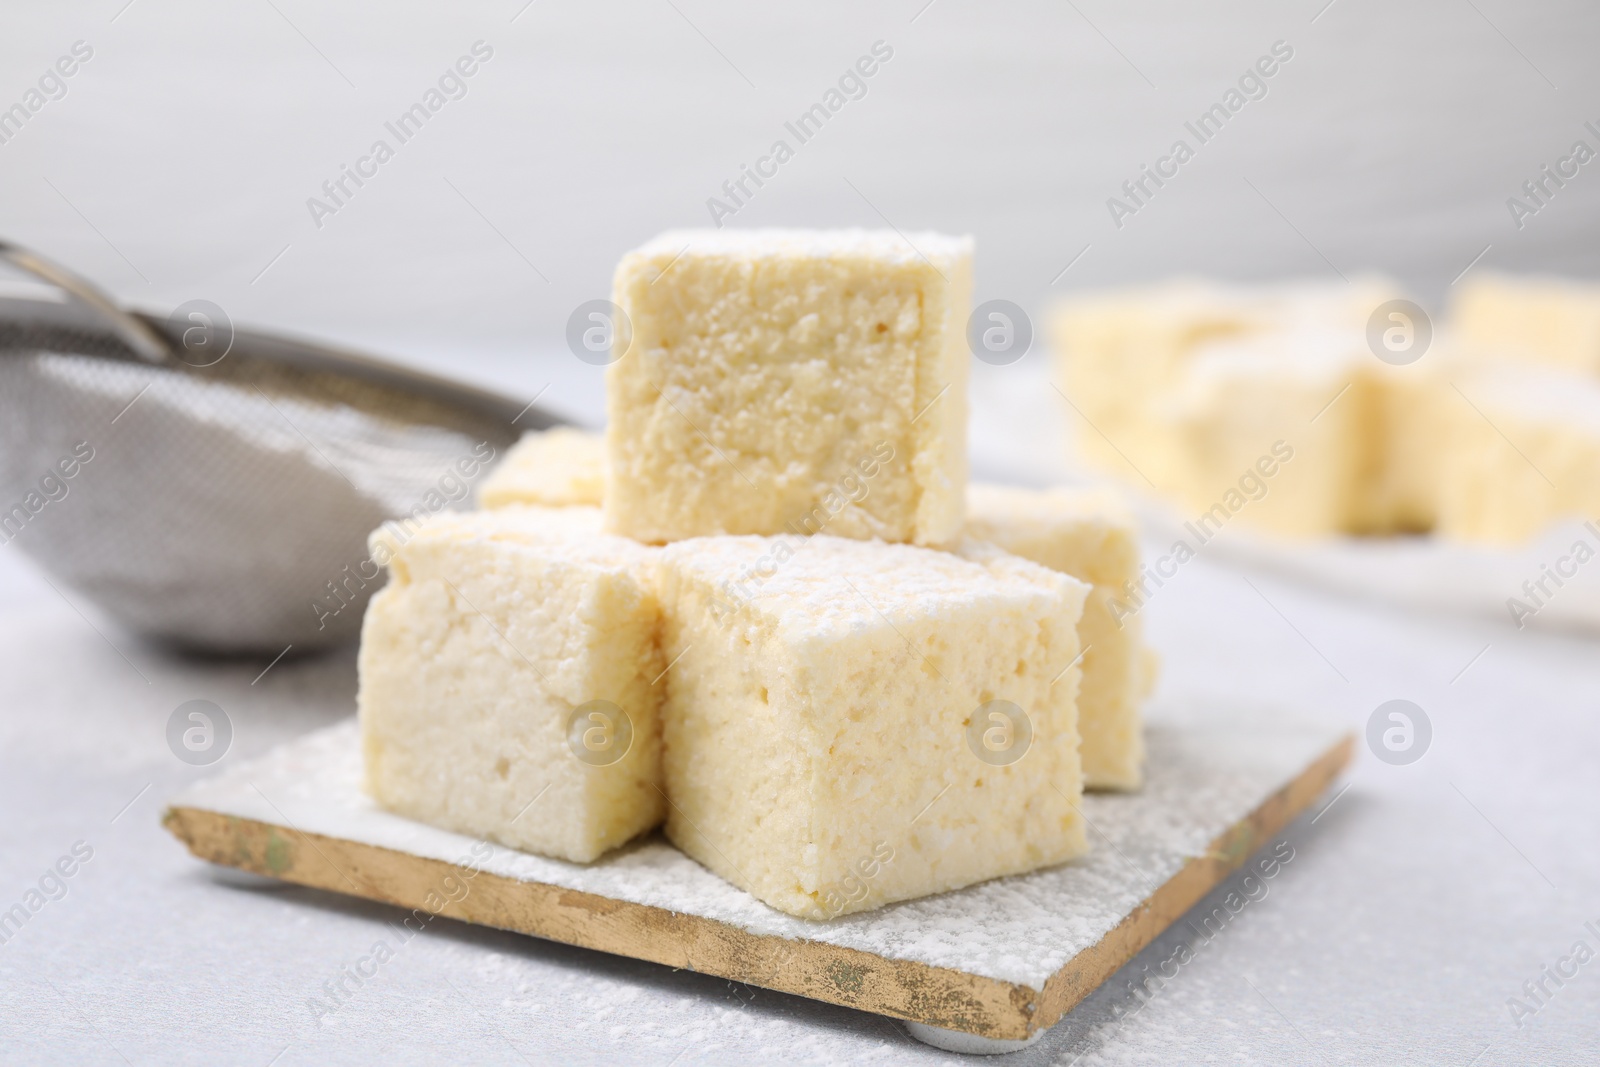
column 1521, row 586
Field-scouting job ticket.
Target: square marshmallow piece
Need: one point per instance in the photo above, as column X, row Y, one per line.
column 1089, row 534
column 559, row 467
column 503, row 669
column 833, row 733
column 1550, row 321
column 802, row 381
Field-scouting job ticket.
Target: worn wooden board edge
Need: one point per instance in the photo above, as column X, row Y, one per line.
column 1229, row 851
column 937, row 996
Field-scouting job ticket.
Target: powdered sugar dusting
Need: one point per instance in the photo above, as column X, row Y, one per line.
column 829, row 584
column 883, row 245
column 1205, row 772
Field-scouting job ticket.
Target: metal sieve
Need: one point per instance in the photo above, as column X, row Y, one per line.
column 212, row 487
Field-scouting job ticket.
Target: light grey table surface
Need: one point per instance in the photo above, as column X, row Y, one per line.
column 1415, row 906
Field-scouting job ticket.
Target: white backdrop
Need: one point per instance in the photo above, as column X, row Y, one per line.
column 180, row 160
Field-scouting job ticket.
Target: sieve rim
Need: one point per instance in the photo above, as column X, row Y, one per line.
column 150, row 339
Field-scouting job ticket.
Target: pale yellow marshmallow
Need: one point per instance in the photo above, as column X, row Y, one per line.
column 770, row 370
column 1190, row 388
column 1089, row 534
column 1122, row 354
column 495, row 629
column 822, row 726
column 556, row 468
column 1551, row 321
column 1524, row 448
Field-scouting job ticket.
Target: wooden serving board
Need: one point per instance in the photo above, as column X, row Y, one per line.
column 1002, row 960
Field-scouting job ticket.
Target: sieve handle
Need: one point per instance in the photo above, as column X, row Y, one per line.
column 138, row 336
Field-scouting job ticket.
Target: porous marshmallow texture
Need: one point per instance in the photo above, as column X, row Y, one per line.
column 851, row 723
column 790, row 381
column 505, row 680
column 1089, row 534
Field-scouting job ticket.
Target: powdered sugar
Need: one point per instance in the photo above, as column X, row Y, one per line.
column 887, row 245
column 1206, row 773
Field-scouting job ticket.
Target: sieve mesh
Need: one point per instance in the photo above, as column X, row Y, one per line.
column 226, row 507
